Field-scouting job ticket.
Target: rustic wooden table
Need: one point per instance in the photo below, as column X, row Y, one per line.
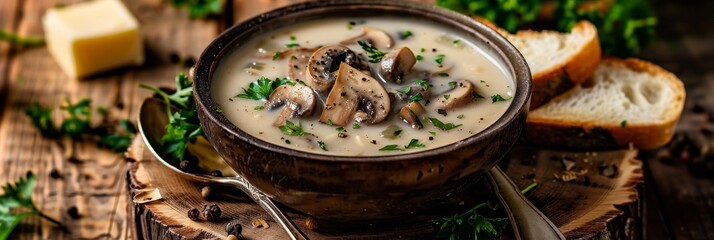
column 678, row 204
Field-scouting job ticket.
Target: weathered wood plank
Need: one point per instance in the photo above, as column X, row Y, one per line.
column 95, row 183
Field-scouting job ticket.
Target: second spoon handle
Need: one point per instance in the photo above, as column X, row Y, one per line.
column 267, row 204
column 528, row 222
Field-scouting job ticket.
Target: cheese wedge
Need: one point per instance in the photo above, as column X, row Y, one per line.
column 92, row 37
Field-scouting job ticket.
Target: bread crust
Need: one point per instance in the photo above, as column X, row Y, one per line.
column 588, row 135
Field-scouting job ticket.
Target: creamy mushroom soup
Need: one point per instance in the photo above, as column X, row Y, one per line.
column 361, row 87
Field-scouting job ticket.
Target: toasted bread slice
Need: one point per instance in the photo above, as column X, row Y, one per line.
column 626, row 102
column 558, row 61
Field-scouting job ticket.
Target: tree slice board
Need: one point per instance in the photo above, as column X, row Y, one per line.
column 586, row 202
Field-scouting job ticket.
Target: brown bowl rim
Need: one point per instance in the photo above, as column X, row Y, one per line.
column 508, row 54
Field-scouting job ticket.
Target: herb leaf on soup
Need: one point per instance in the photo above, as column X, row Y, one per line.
column 391, row 147
column 414, row 143
column 261, row 89
column 375, row 55
column 292, row 129
column 443, row 126
column 498, row 98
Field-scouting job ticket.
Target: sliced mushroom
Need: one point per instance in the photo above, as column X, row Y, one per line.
column 458, row 96
column 325, row 62
column 410, row 114
column 355, row 95
column 375, row 37
column 297, row 64
column 295, row 100
column 396, row 64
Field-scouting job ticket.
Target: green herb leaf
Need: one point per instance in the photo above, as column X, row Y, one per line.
column 443, row 75
column 293, row 38
column 414, row 143
column 340, row 129
column 446, row 96
column 289, row 45
column 461, row 116
column 259, row 107
column 406, row 34
column 424, row 84
column 322, row 144
column 623, row 123
column 452, row 84
column 200, row 8
column 432, row 133
column 498, row 98
column 391, row 147
column 356, row 126
column 42, row 120
column 20, row 41
column 291, row 129
column 416, row 97
column 443, row 126
column 262, row 88
column 16, row 205
column 277, row 55
column 419, row 57
column 476, row 96
column 405, row 91
column 457, row 41
column 374, row 54
column 439, row 59
column 329, row 122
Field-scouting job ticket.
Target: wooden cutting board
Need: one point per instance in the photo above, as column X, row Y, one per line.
column 586, row 202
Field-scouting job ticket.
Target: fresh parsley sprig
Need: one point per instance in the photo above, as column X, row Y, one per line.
column 261, row 89
column 20, row 41
column 375, row 55
column 443, row 126
column 16, row 204
column 292, row 129
column 183, row 127
column 200, row 8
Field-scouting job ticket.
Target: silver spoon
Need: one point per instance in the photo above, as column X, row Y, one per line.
column 153, row 113
column 527, row 221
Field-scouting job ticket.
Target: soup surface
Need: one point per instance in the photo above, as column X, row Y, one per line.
column 461, row 88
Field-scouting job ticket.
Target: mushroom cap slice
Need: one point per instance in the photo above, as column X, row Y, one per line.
column 410, row 114
column 356, row 95
column 295, row 100
column 377, row 38
column 396, row 64
column 458, row 96
column 325, row 62
column 297, row 64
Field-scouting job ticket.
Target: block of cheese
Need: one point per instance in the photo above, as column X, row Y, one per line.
column 92, row 37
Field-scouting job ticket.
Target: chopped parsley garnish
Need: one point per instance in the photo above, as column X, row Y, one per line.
column 457, row 41
column 446, row 96
column 476, row 96
column 290, row 129
column 432, row 133
column 623, row 123
column 293, row 38
column 416, row 97
column 498, row 98
column 414, row 143
column 443, row 126
column 443, row 75
column 349, row 27
column 356, row 126
column 439, row 59
column 391, row 147
column 277, row 55
column 340, row 129
column 452, row 84
column 482, row 81
column 261, row 89
column 374, row 54
column 219, row 110
column 406, row 34
column 259, row 107
column 322, row 144
column 424, row 84
column 461, row 116
column 329, row 122
column 290, row 45
column 405, row 91
column 419, row 57
column 422, row 50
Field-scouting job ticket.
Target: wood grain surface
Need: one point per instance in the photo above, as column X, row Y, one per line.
column 591, row 205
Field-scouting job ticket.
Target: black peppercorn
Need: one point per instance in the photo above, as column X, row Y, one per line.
column 212, row 212
column 234, row 228
column 193, row 214
column 190, row 164
column 73, row 212
column 216, row 173
column 55, row 174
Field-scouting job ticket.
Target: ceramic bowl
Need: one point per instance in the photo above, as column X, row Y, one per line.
column 343, row 188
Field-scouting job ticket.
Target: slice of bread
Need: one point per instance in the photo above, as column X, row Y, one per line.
column 626, row 102
column 558, row 61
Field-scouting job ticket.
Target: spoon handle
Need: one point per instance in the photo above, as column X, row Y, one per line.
column 528, row 222
column 267, row 204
